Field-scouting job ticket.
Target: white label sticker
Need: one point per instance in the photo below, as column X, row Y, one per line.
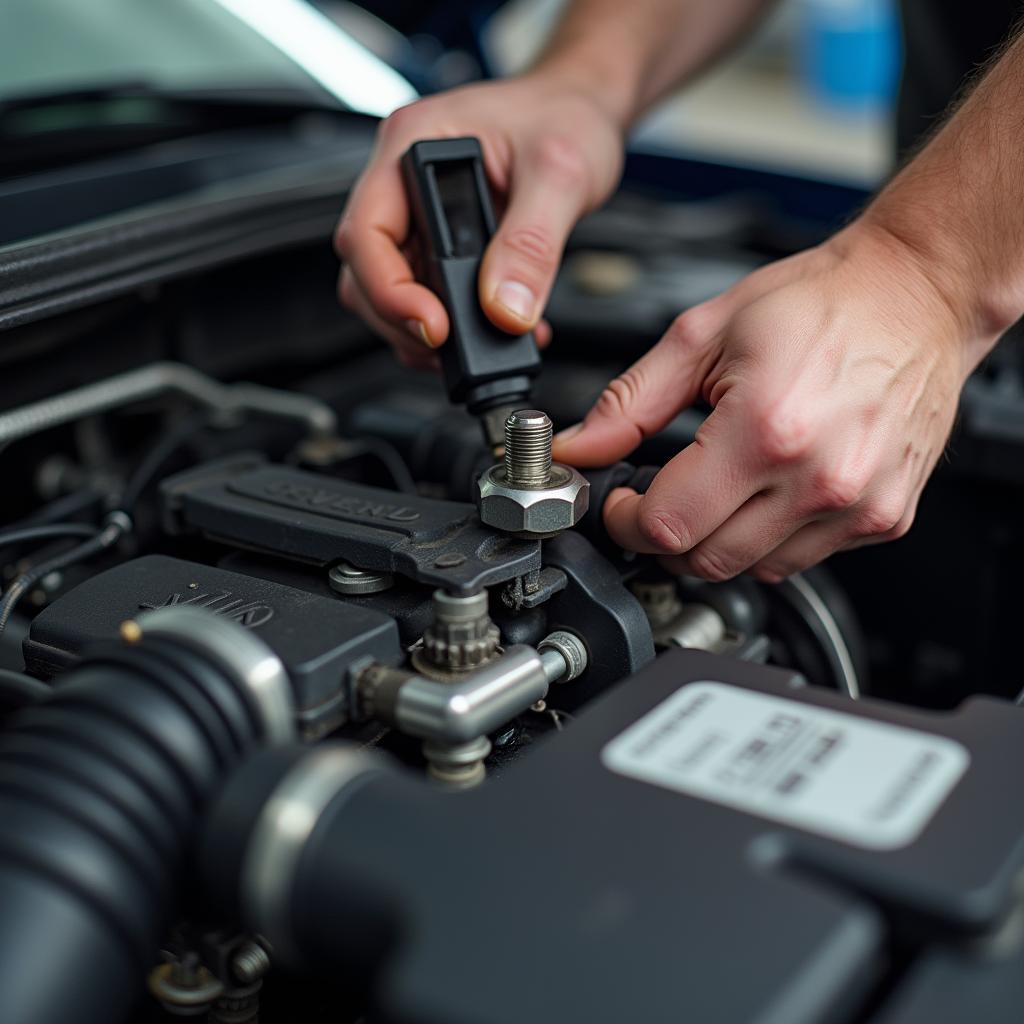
column 865, row 782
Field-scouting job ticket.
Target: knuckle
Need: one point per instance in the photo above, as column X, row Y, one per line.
column 879, row 517
column 834, row 490
column 663, row 531
column 400, row 120
column 902, row 528
column 343, row 240
column 533, row 244
column 561, row 159
column 712, row 565
column 782, row 435
column 688, row 331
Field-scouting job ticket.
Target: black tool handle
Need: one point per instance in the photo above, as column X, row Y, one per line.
column 451, row 210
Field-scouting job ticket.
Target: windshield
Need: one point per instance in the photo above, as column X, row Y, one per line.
column 53, row 46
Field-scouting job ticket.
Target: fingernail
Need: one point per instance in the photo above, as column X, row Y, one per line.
column 517, row 299
column 418, row 329
column 569, row 433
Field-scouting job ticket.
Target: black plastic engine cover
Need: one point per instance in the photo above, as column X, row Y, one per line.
column 660, row 904
column 317, row 638
column 950, row 986
column 322, row 520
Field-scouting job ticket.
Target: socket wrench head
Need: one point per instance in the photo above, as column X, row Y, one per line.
column 533, row 511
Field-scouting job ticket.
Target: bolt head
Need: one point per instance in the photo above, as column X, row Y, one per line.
column 347, row 579
column 534, row 511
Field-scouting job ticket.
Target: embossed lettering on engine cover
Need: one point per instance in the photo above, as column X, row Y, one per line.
column 324, row 499
column 305, row 517
column 220, row 602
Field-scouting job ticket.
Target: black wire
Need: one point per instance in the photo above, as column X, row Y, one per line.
column 393, row 462
column 66, row 508
column 98, row 543
column 839, row 661
column 155, row 458
column 98, row 540
column 27, row 533
column 18, row 690
column 389, row 457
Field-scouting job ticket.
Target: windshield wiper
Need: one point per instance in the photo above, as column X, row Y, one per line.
column 94, row 96
column 46, row 129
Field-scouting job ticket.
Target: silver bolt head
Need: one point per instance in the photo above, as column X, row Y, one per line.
column 347, row 579
column 534, row 511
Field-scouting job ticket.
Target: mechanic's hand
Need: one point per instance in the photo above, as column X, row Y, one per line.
column 552, row 153
column 834, row 378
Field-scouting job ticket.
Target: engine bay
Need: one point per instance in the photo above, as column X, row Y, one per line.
column 292, row 730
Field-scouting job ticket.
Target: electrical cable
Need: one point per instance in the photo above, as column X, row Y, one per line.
column 155, row 458
column 384, row 452
column 393, row 462
column 814, row 612
column 66, row 508
column 45, row 532
column 118, row 523
column 97, row 540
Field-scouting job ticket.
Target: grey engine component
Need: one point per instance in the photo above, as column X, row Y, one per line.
column 318, row 639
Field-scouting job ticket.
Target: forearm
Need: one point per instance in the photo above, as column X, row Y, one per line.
column 959, row 205
column 628, row 55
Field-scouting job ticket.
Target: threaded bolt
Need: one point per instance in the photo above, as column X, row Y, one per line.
column 528, row 448
column 250, row 963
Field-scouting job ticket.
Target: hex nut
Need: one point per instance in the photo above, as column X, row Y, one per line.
column 534, row 511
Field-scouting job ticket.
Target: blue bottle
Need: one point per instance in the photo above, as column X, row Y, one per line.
column 850, row 53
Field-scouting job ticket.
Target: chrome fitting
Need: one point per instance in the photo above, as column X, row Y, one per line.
column 458, row 765
column 564, row 656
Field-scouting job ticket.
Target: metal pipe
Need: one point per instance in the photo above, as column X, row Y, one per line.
column 696, row 626
column 157, row 379
column 553, row 663
column 487, row 699
column 459, row 712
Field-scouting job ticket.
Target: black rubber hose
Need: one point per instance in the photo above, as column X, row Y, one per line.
column 46, row 532
column 18, row 689
column 101, row 789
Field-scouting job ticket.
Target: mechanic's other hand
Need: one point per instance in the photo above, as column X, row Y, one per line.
column 552, row 153
column 834, row 378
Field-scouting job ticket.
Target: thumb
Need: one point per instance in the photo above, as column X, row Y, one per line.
column 547, row 198
column 644, row 399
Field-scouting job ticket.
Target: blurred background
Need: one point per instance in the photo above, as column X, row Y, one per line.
column 811, row 92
